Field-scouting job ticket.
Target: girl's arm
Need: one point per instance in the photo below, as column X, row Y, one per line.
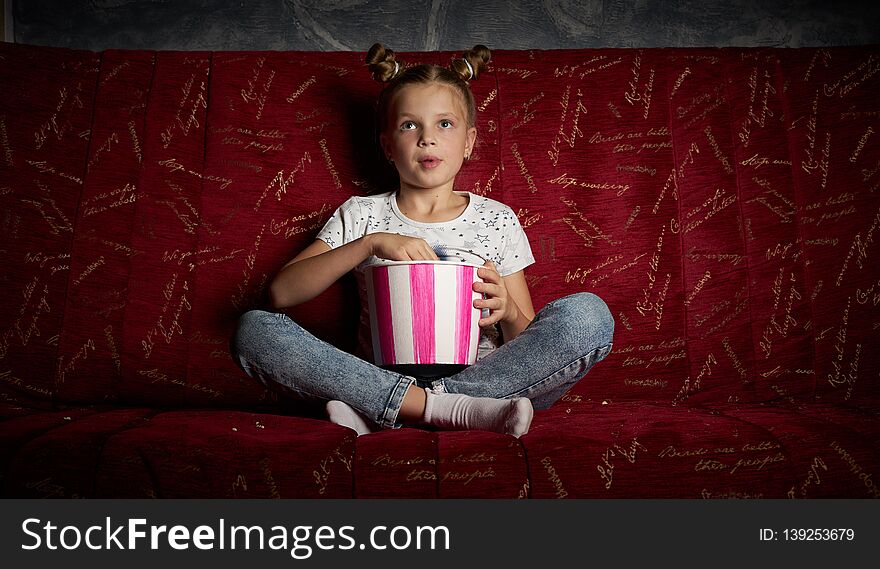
column 518, row 292
column 310, row 273
column 318, row 266
column 508, row 300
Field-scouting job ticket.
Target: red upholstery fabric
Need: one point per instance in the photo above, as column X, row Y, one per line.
column 723, row 202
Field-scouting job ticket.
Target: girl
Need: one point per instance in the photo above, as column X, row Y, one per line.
column 427, row 130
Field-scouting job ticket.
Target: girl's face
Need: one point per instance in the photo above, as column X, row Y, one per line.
column 427, row 136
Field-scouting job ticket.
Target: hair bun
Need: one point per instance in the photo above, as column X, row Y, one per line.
column 381, row 63
column 472, row 63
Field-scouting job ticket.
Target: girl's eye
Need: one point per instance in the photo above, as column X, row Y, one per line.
column 445, row 124
column 408, row 125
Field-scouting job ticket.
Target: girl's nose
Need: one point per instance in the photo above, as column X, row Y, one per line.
column 426, row 139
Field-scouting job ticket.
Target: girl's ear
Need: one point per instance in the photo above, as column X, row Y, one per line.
column 386, row 145
column 471, row 138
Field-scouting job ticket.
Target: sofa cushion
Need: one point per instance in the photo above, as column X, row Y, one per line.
column 144, row 453
column 578, row 449
column 413, row 463
column 722, row 201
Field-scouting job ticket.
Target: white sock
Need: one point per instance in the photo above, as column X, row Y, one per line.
column 343, row 414
column 461, row 412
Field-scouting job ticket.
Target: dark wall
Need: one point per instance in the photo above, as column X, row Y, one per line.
column 329, row 25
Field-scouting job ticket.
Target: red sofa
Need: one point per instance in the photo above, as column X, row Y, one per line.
column 724, row 202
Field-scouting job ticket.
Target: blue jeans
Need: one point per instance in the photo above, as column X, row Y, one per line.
column 565, row 339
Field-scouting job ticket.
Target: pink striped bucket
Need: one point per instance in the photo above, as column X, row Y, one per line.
column 422, row 312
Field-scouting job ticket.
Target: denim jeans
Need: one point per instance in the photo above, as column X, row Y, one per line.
column 565, row 339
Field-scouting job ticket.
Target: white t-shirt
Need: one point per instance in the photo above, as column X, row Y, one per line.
column 485, row 230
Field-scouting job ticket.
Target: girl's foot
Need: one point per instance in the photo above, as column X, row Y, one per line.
column 343, row 414
column 461, row 412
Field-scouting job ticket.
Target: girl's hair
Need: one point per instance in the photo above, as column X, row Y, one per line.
column 386, row 69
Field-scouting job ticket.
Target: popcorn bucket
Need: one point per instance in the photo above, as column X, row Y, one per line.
column 422, row 312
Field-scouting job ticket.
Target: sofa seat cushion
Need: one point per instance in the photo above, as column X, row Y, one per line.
column 644, row 450
column 577, row 449
column 414, row 463
column 140, row 453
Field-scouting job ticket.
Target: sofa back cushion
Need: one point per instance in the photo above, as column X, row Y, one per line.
column 723, row 202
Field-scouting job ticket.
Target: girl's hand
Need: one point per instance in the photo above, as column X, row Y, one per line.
column 396, row 247
column 502, row 307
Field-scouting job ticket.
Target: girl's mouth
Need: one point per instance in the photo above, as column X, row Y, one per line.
column 429, row 162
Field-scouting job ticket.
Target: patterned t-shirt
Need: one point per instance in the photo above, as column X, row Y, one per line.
column 485, row 230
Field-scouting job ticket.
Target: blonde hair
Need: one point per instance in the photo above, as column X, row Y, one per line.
column 385, row 68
